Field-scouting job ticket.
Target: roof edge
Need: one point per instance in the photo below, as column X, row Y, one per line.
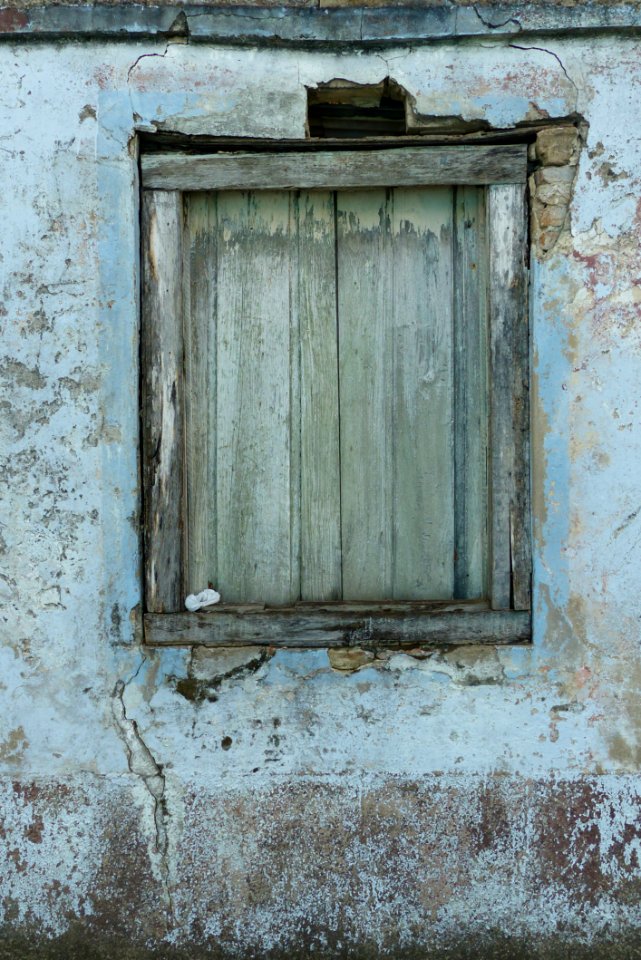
column 313, row 26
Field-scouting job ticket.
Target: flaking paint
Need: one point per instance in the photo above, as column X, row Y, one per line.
column 397, row 806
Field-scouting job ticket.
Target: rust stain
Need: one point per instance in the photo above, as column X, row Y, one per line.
column 569, row 840
column 14, row 745
column 35, row 830
column 104, row 76
column 11, row 19
column 16, row 859
column 566, row 630
column 625, row 748
column 27, row 791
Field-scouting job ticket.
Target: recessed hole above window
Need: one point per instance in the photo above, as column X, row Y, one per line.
column 343, row 109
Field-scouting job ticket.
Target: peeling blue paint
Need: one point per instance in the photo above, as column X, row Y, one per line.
column 564, row 707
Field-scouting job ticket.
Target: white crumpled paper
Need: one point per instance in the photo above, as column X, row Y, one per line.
column 205, row 598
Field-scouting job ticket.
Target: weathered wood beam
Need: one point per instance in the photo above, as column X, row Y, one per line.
column 337, row 170
column 338, row 625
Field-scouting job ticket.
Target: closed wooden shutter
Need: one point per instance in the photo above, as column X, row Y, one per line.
column 336, row 387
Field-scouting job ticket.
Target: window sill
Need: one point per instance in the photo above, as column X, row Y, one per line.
column 339, row 624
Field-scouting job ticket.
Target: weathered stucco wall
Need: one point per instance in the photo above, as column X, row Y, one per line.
column 149, row 802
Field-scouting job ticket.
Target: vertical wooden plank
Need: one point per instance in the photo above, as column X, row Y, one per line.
column 254, row 412
column 162, row 399
column 471, row 404
column 366, row 390
column 520, row 518
column 320, row 460
column 508, row 356
column 200, row 389
column 422, row 394
column 295, row 267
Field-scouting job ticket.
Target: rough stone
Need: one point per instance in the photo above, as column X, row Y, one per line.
column 557, row 146
column 349, row 659
column 207, row 663
column 554, row 193
column 552, row 216
column 551, row 189
column 554, row 175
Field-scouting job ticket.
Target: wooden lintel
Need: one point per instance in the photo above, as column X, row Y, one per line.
column 336, row 170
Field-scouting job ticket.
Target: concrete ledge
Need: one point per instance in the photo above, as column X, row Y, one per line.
column 318, row 26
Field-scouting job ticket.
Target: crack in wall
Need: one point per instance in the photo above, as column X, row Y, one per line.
column 551, row 53
column 628, row 520
column 144, row 56
column 495, row 26
column 143, row 764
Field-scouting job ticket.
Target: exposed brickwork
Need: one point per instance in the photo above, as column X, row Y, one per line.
column 557, row 151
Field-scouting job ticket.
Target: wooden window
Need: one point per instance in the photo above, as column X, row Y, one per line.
column 335, row 387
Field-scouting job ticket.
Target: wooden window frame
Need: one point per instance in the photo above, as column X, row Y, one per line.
column 505, row 616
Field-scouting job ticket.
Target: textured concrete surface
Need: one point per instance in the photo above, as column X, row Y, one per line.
column 178, row 802
column 330, row 23
column 524, row 6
